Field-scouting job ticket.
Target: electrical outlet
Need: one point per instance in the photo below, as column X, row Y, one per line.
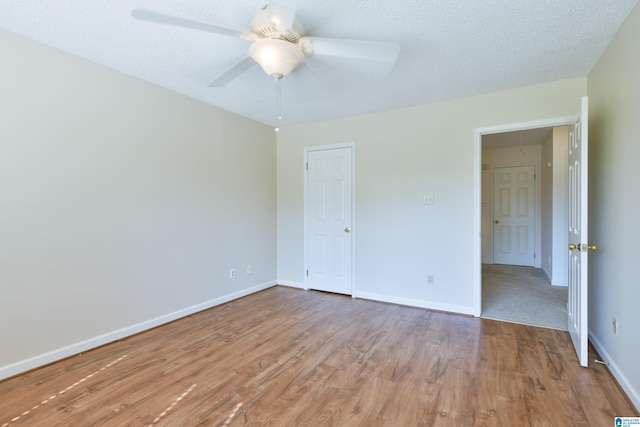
column 249, row 269
column 232, row 273
column 615, row 326
column 430, row 279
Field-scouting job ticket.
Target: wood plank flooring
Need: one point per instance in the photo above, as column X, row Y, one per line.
column 287, row 357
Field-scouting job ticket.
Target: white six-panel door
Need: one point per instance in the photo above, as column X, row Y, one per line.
column 577, row 305
column 328, row 220
column 514, row 215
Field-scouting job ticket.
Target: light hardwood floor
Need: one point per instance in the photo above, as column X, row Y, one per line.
column 287, row 357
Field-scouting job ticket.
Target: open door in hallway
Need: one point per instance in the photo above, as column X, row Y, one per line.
column 577, row 305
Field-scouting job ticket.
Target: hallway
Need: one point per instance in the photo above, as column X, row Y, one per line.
column 522, row 295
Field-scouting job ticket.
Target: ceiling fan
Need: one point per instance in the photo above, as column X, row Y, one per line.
column 279, row 44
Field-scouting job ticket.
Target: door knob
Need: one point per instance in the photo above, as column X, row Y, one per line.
column 576, row 246
column 347, row 229
column 497, row 221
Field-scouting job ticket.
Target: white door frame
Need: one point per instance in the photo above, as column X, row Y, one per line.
column 354, row 228
column 477, row 173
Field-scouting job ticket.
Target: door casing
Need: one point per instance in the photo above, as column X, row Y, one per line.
column 477, row 173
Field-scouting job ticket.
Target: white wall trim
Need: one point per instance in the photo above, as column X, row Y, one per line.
column 458, row 309
column 477, row 171
column 73, row 349
column 534, row 124
column 558, row 282
column 291, row 284
column 476, row 243
column 633, row 394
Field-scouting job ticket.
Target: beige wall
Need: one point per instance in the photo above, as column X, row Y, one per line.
column 560, row 222
column 121, row 203
column 614, row 135
column 554, row 201
column 400, row 156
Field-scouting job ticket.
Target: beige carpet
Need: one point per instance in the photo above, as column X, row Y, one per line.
column 522, row 295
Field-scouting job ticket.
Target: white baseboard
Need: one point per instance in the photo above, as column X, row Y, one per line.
column 70, row 350
column 631, row 392
column 459, row 309
column 291, row 284
column 559, row 281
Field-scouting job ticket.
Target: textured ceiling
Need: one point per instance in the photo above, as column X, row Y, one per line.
column 449, row 49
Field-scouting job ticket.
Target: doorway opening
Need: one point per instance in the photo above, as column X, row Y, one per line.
column 521, row 254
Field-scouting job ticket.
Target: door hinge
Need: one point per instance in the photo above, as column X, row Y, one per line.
column 534, row 255
column 307, row 273
column 534, row 176
column 307, row 165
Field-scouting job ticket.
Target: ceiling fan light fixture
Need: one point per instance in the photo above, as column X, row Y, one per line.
column 277, row 57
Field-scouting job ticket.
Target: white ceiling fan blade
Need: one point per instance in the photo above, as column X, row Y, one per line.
column 233, row 72
column 383, row 52
column 338, row 67
column 150, row 16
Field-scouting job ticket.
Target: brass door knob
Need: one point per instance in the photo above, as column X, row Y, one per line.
column 576, row 247
column 497, row 221
column 347, row 229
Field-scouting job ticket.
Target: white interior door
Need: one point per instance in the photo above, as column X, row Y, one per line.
column 328, row 220
column 578, row 226
column 514, row 215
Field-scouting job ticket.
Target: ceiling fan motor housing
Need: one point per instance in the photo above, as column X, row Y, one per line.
column 265, row 26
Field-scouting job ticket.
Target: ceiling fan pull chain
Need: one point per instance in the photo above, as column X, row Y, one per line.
column 278, row 100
